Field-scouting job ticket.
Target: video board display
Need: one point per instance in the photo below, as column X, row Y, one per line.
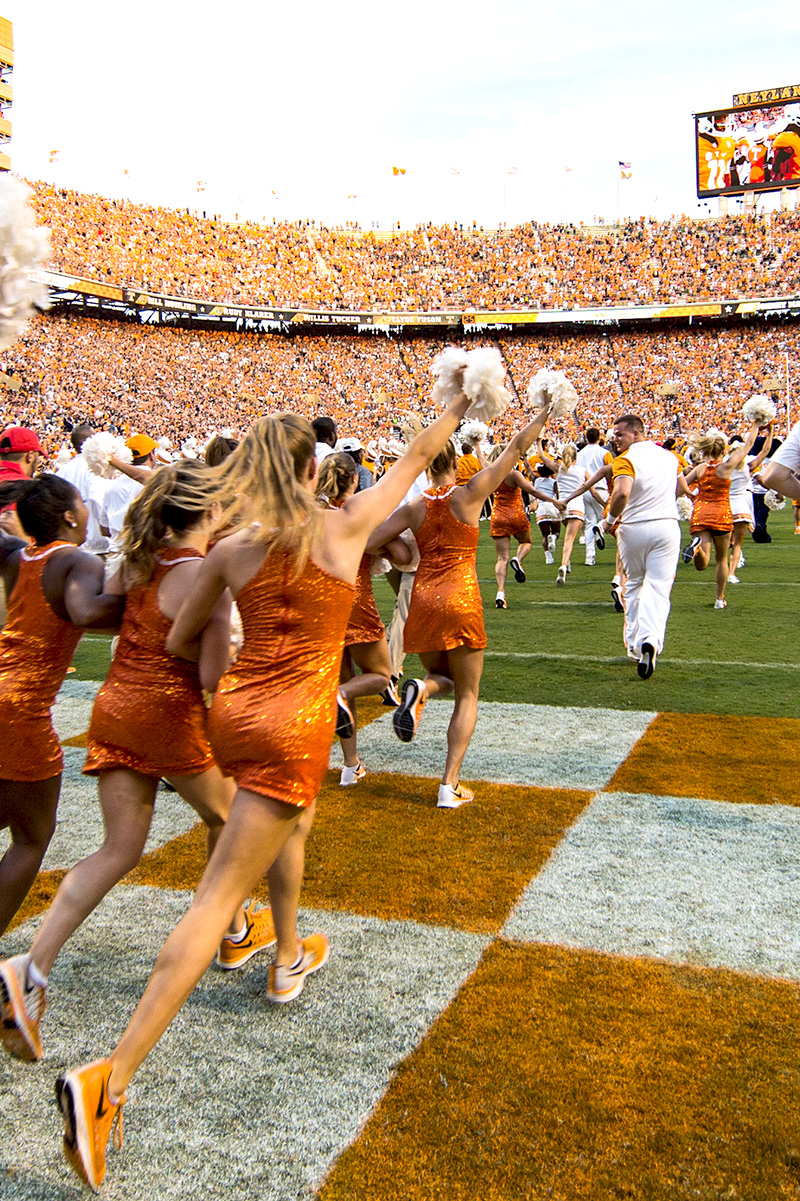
column 746, row 149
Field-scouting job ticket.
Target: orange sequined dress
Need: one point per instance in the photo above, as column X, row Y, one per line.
column 446, row 610
column 712, row 509
column 365, row 623
column 36, row 648
column 272, row 721
column 509, row 518
column 149, row 716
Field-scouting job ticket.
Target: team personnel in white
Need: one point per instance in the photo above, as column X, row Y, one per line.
column 90, row 487
column 644, row 513
column 591, row 458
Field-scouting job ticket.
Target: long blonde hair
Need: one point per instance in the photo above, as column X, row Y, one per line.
column 260, row 486
column 712, row 444
column 175, row 499
column 569, row 454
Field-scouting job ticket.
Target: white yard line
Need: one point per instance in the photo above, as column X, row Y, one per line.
column 623, row 659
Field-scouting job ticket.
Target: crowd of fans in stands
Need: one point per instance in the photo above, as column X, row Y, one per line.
column 530, row 266
column 183, row 383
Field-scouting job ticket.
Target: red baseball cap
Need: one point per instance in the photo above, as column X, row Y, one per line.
column 18, row 438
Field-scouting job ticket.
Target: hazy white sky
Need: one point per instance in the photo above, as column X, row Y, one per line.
column 302, row 110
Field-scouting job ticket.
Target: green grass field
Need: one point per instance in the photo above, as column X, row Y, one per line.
column 563, row 646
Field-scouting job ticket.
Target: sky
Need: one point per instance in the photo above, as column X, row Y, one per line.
column 497, row 112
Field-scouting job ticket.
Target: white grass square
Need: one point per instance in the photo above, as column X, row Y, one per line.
column 536, row 745
column 702, row 882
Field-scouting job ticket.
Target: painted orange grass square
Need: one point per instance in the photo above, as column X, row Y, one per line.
column 571, row 1075
column 383, row 849
column 751, row 759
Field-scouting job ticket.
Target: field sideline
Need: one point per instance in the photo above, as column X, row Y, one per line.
column 584, row 985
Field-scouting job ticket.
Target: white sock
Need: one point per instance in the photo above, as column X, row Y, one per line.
column 237, row 937
column 35, row 976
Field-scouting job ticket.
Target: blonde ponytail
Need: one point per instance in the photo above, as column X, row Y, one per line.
column 173, row 500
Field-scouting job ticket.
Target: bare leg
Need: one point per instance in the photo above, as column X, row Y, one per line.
column 466, row 666
column 523, row 550
column 721, row 545
column 253, row 837
column 739, row 531
column 570, row 534
column 437, row 673
column 285, row 881
column 503, row 548
column 211, row 795
column 127, row 801
column 29, row 810
column 372, row 658
column 702, row 554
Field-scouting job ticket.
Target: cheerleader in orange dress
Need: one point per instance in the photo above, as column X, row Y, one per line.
column 54, row 589
column 445, row 619
column 365, row 645
column 509, row 520
column 291, row 568
column 712, row 518
column 148, row 723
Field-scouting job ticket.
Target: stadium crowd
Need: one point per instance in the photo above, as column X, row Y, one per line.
column 442, row 267
column 181, row 383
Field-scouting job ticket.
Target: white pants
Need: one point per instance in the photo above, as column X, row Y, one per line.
column 649, row 552
column 593, row 515
column 394, row 632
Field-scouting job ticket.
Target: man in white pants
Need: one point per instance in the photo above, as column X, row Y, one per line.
column 644, row 512
column 591, row 458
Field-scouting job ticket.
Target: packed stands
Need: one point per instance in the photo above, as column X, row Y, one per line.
column 531, row 266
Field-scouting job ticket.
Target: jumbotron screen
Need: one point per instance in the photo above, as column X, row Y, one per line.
column 747, row 149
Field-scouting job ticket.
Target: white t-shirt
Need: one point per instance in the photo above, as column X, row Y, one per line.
column 92, row 489
column 121, row 491
column 655, row 478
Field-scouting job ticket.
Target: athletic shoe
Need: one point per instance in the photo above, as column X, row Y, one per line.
column 260, row 935
column 569, row 569
column 687, row 554
column 720, row 604
column 552, row 539
column 519, row 574
column 500, row 601
column 599, row 538
column 286, row 983
column 21, row 1008
column 89, row 1118
column 345, row 722
column 647, row 663
column 389, row 695
column 741, row 563
column 451, row 797
column 582, row 540
column 351, row 775
column 734, row 579
column 589, row 561
column 561, row 578
column 406, row 718
column 616, row 596
column 548, row 556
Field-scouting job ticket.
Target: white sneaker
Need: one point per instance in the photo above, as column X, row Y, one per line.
column 582, row 539
column 561, row 578
column 551, row 542
column 590, row 561
column 734, row 579
column 548, row 556
column 351, row 775
column 720, row 604
column 452, row 797
column 741, row 563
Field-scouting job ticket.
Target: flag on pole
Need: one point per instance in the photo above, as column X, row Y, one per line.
column 624, row 170
column 398, row 170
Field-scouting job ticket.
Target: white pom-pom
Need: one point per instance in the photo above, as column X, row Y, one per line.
column 63, row 457
column 482, row 381
column 773, row 500
column 473, row 432
column 554, row 389
column 99, row 449
column 189, row 448
column 408, row 537
column 24, row 248
column 685, row 508
column 237, row 633
column 164, row 442
column 448, row 385
column 226, row 433
column 379, row 565
column 759, row 410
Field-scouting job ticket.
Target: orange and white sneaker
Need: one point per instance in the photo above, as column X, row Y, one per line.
column 259, row 936
column 89, row 1117
column 286, row 983
column 352, row 773
column 453, row 796
column 406, row 718
column 22, row 1005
